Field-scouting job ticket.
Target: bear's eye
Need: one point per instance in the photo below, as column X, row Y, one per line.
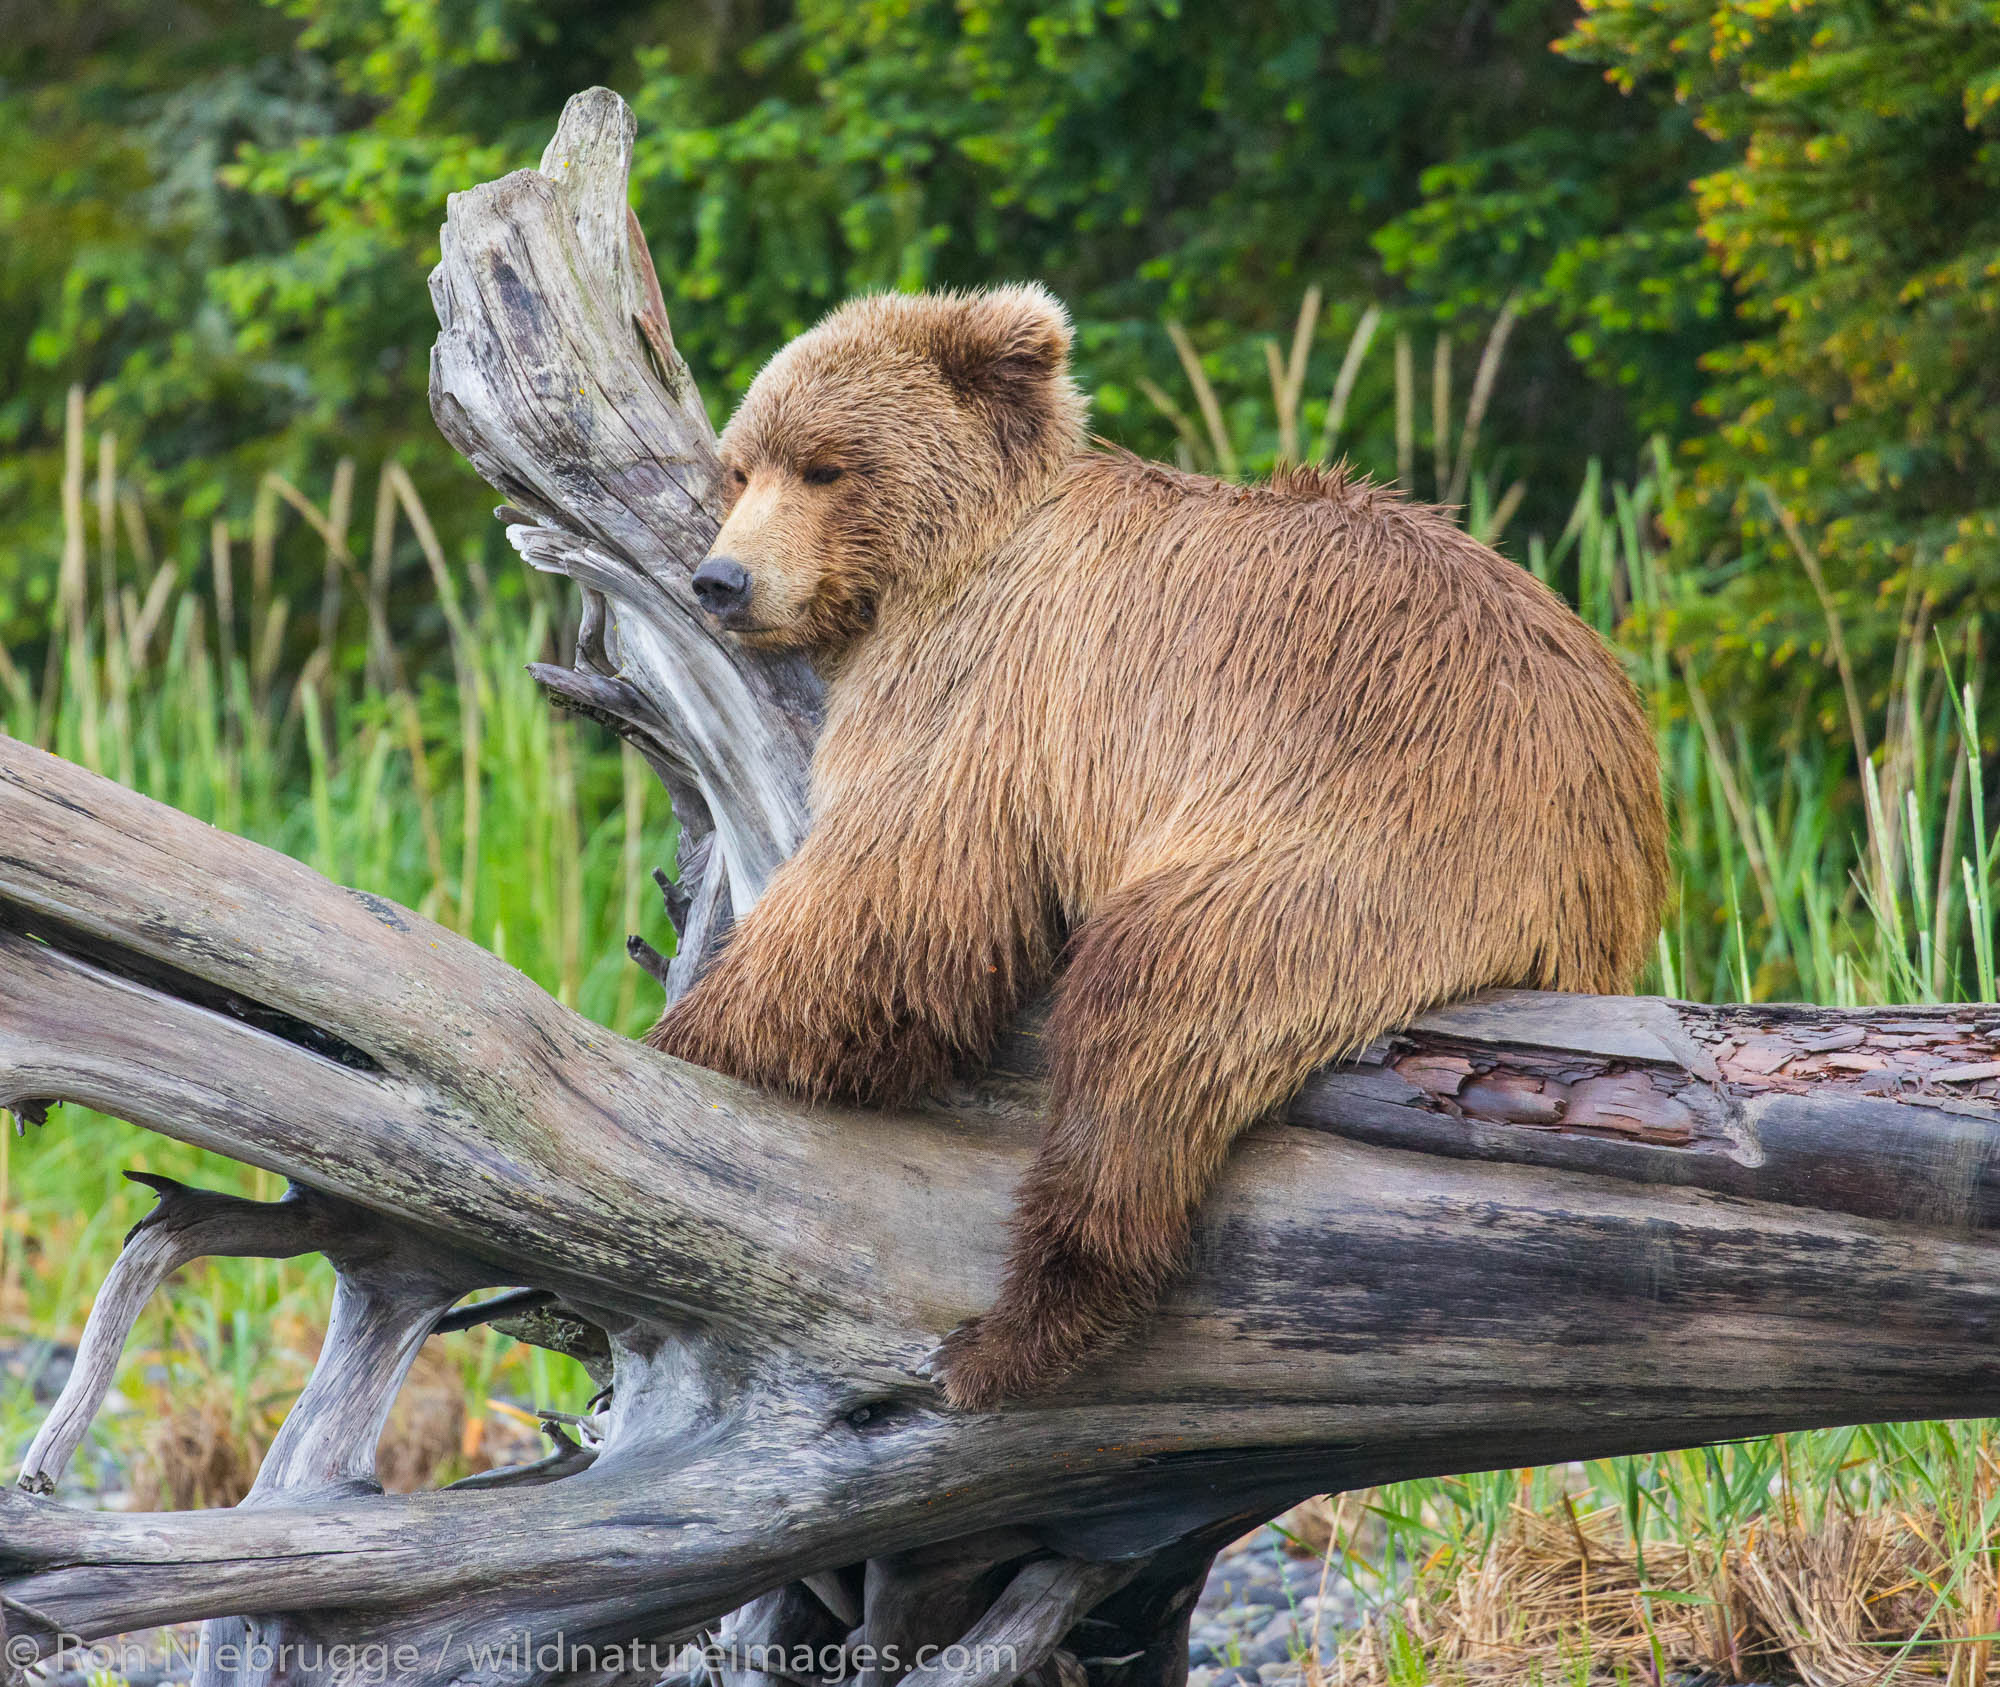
column 738, row 478
column 823, row 474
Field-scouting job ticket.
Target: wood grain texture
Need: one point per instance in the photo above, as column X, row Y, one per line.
column 1402, row 1277
column 555, row 374
column 1527, row 1228
column 186, row 1225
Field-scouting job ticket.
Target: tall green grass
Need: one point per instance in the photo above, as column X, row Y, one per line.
column 1835, row 1558
column 460, row 793
column 1844, row 866
column 1847, row 866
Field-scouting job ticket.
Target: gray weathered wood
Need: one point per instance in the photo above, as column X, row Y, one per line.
column 1528, row 1228
column 1406, row 1276
column 555, row 374
column 188, row 1224
column 1019, row 1630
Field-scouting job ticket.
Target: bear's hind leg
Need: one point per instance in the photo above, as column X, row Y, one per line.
column 1196, row 999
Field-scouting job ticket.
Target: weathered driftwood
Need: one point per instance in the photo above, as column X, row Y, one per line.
column 555, row 373
column 1529, row 1228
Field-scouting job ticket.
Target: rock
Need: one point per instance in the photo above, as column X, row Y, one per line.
column 42, row 1367
column 1280, row 1628
column 1262, row 1603
column 1243, row 1618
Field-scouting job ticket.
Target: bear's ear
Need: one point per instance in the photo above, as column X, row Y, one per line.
column 1005, row 344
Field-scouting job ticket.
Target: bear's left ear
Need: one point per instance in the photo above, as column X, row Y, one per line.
column 1005, row 344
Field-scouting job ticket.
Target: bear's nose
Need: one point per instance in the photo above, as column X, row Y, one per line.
column 722, row 587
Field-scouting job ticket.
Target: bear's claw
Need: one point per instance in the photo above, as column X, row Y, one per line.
column 974, row 1370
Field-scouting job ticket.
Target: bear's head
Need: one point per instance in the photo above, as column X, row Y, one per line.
column 881, row 455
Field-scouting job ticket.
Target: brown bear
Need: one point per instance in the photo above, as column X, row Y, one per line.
column 1268, row 770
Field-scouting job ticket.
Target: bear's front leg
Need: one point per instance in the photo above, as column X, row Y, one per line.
column 1199, row 996
column 870, row 968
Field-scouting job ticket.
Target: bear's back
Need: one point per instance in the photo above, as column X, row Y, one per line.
column 1316, row 660
column 1318, row 611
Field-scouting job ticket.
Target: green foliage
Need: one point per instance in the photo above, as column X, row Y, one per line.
column 220, row 227
column 222, row 230
column 118, row 117
column 471, row 801
column 1189, row 157
column 1858, row 221
column 1787, row 884
column 1589, row 228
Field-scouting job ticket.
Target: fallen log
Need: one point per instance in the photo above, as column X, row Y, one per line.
column 1528, row 1228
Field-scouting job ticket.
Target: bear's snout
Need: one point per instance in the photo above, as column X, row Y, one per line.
column 722, row 587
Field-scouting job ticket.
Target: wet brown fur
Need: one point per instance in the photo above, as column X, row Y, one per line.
column 1270, row 769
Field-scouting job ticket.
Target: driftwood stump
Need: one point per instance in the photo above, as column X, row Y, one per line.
column 1529, row 1228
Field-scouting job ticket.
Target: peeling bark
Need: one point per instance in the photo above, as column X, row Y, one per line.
column 1527, row 1228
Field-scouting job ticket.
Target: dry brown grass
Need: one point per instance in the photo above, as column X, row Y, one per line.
column 204, row 1452
column 1562, row 1597
column 197, row 1455
column 426, row 1427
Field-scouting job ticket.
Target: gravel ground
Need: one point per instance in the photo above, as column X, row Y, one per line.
column 1261, row 1612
